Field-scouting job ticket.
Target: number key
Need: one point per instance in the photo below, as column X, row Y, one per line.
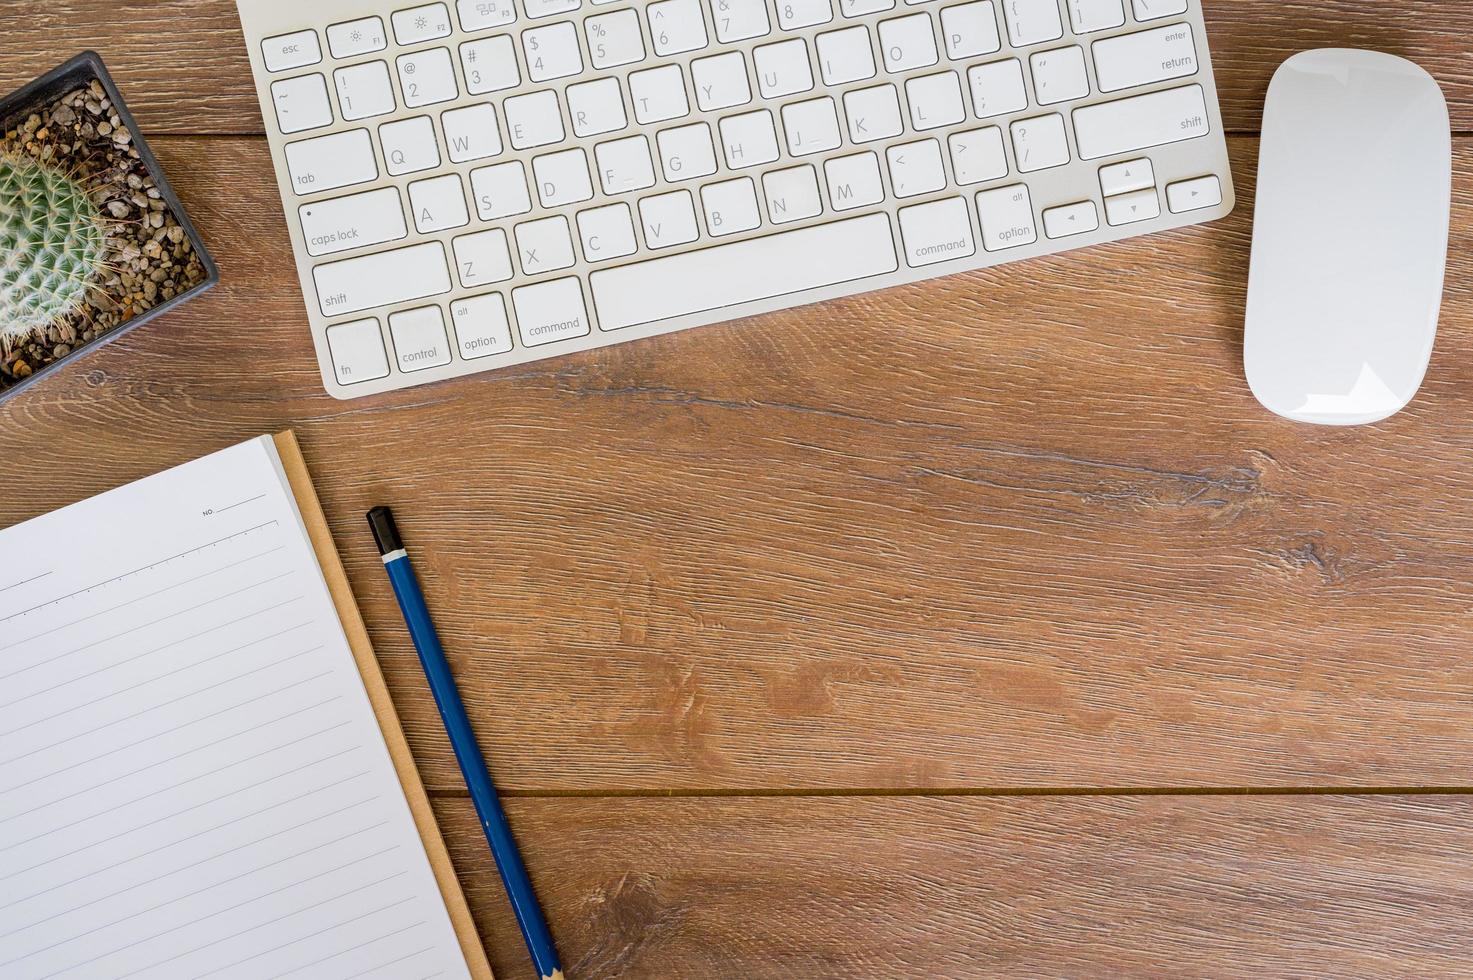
column 614, row 39
column 427, row 77
column 677, row 26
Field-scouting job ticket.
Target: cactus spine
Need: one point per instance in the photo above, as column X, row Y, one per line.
column 52, row 244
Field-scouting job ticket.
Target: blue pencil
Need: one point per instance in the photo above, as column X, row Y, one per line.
column 463, row 741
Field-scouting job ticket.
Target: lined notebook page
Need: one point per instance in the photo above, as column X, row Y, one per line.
column 192, row 779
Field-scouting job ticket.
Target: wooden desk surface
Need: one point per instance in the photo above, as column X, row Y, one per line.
column 985, row 627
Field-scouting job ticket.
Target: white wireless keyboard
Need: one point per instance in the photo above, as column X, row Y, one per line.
column 475, row 184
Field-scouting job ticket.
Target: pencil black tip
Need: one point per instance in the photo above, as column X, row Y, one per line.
column 385, row 531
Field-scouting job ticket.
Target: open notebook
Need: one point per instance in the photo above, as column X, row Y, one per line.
column 201, row 774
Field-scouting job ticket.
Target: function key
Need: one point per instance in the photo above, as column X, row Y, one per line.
column 424, row 23
column 480, row 15
column 287, row 51
column 357, row 352
column 356, row 37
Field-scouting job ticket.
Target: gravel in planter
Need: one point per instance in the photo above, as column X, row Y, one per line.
column 149, row 258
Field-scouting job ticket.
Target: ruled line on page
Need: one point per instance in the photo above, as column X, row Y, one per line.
column 135, row 571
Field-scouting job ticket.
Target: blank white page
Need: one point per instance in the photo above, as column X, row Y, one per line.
column 192, row 779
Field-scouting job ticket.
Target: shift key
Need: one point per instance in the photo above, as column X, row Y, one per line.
column 382, row 279
column 1141, row 122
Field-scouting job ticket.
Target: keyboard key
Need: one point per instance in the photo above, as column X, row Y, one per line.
column 1071, row 219
column 935, row 100
column 533, row 120
column 978, row 155
column 668, row 219
column 596, row 107
column 1125, row 209
column 419, row 338
column 1145, row 58
column 792, row 194
column 357, row 351
column 471, row 133
column 845, row 56
column 658, row 94
column 427, row 77
column 356, row 37
column 916, row 168
column 782, row 68
column 1040, row 143
column 1192, row 195
column 793, row 15
column 676, row 26
column 1141, row 122
column 1089, row 16
column 546, row 8
column 364, row 90
column 606, row 232
column 908, row 42
column 287, row 51
column 741, row 272
column 489, row 64
column 686, row 152
column 552, row 51
column 740, row 20
column 811, row 127
column 1059, row 75
column 409, row 145
column 614, row 39
column 721, row 81
column 301, row 103
column 424, row 23
column 1122, row 178
column 500, row 190
column 544, row 245
column 730, row 206
column 1006, row 217
column 481, row 15
column 562, row 178
column 858, row 8
column 1033, row 21
column 1153, row 9
column 997, row 89
column 625, row 165
column 382, row 279
column 482, row 258
column 355, row 221
column 970, row 30
column 481, row 326
column 937, row 232
column 329, row 162
column 873, row 113
column 854, row 181
column 550, row 311
column 749, row 140
column 438, row 203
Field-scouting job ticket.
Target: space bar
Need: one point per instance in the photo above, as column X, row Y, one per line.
column 758, row 268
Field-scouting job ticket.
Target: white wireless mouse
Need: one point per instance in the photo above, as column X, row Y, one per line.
column 1350, row 237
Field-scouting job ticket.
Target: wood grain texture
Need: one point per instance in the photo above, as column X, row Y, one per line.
column 181, row 64
column 1183, row 887
column 1019, row 528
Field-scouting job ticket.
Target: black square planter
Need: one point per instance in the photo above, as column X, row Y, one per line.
column 78, row 73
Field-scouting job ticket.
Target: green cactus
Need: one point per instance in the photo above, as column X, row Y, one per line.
column 52, row 244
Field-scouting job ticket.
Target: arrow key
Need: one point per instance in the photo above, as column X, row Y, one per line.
column 1125, row 209
column 1071, row 219
column 1193, row 195
column 1122, row 178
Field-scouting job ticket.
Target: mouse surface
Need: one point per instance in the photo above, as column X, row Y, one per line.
column 1350, row 237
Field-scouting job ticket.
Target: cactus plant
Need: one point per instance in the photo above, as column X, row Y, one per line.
column 52, row 244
